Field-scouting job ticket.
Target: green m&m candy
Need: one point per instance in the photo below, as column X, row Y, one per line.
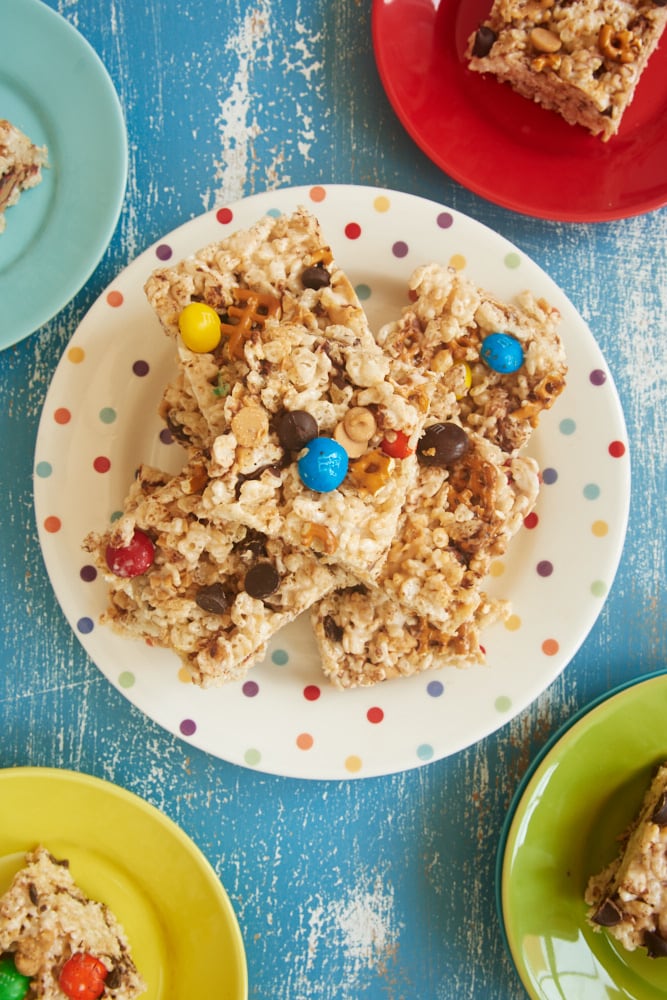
column 13, row 986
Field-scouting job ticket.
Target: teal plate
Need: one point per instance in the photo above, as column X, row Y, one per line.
column 577, row 798
column 54, row 87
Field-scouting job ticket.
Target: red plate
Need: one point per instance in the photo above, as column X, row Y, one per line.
column 502, row 146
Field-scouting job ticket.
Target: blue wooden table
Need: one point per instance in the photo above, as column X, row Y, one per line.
column 378, row 888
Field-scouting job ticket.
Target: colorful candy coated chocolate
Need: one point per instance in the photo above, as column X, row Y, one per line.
column 323, row 467
column 502, row 352
column 200, row 327
column 133, row 559
column 13, row 986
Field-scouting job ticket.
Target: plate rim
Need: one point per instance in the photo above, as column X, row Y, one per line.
column 296, row 194
column 137, row 803
column 523, row 789
column 107, row 219
column 531, row 209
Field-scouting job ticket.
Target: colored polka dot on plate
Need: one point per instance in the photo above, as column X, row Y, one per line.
column 353, row 230
column 445, row 220
column 600, row 528
column 513, row 623
column 549, row 476
column 381, row 203
column 184, row 675
column 591, row 491
column 165, row 436
column 598, row 588
column 280, row 657
column 497, row 568
column 617, row 449
column 317, row 193
column 107, row 414
column 531, row 520
column 304, row 741
column 52, row 524
column 544, row 568
column 141, row 368
column 115, row 299
column 502, row 703
column 375, row 715
column 363, row 292
column 88, row 573
column 457, row 261
column 400, row 249
column 101, row 463
column 353, row 764
column 163, row 251
column 76, row 355
column 252, row 757
column 187, row 727
column 224, row 216
column 62, row 415
column 567, row 426
column 311, row 692
column 85, row 625
column 512, row 260
column 435, row 689
column 597, row 377
column 425, row 751
column 550, row 647
column 126, row 679
column 250, row 689
column 43, row 469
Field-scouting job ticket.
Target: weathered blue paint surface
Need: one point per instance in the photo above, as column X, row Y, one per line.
column 380, row 888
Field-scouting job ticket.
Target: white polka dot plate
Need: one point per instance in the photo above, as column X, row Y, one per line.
column 100, row 421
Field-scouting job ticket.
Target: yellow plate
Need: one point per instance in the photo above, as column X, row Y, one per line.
column 182, row 929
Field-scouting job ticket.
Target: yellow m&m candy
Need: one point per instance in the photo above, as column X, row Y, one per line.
column 200, row 327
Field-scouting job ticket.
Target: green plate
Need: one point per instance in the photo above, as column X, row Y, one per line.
column 54, row 87
column 122, row 851
column 578, row 796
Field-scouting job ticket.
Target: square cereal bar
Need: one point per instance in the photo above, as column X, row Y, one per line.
column 580, row 58
column 365, row 637
column 21, row 163
column 628, row 898
column 502, row 363
column 45, row 918
column 215, row 594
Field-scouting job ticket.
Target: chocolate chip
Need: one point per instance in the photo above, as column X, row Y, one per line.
column 442, row 444
column 316, row 277
column 660, row 812
column 484, row 39
column 332, row 630
column 243, row 477
column 114, row 980
column 261, row 580
column 212, row 599
column 295, row 428
column 656, row 946
column 607, row 914
column 34, row 895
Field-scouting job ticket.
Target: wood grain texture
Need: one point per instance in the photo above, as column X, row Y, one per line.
column 381, row 888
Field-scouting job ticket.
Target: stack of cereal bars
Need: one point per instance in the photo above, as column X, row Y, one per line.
column 369, row 479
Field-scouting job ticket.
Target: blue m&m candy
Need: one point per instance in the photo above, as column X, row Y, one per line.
column 323, row 466
column 502, row 352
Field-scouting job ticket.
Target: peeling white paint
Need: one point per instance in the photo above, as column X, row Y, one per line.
column 237, row 122
column 362, row 926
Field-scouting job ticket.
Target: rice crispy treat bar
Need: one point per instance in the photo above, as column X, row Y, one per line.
column 473, row 488
column 213, row 593
column 21, row 163
column 580, row 58
column 444, row 330
column 312, row 361
column 628, row 898
column 45, row 918
column 277, row 271
column 365, row 637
